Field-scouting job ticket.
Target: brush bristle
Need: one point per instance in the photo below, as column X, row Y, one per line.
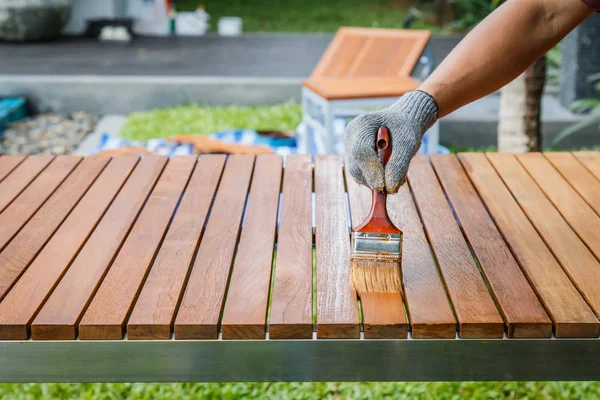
column 376, row 276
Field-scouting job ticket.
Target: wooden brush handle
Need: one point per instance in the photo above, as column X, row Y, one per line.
column 378, row 220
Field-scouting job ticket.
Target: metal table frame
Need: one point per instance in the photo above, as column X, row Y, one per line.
column 299, row 360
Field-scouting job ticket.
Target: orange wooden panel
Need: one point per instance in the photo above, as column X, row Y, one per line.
column 106, row 316
column 519, row 305
column 591, row 160
column 291, row 305
column 576, row 259
column 578, row 176
column 383, row 313
column 362, row 88
column 475, row 309
column 8, row 164
column 27, row 243
column 202, row 303
column 344, row 55
column 21, row 178
column 245, row 313
column 337, row 308
column 58, row 318
column 154, row 311
column 570, row 314
column 24, row 300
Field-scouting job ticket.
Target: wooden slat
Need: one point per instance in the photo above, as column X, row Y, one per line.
column 522, row 311
column 291, row 304
column 8, row 164
column 578, row 176
column 154, row 312
column 383, row 313
column 571, row 316
column 58, row 318
column 337, row 308
column 576, row 259
column 27, row 243
column 200, row 310
column 245, row 313
column 21, row 304
column 20, row 178
column 106, row 316
column 475, row 309
column 591, row 160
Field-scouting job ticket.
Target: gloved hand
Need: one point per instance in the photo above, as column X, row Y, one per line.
column 407, row 120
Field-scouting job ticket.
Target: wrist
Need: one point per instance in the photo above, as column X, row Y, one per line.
column 417, row 106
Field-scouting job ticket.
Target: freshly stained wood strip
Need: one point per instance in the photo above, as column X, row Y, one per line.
column 383, row 313
column 578, row 176
column 202, row 302
column 47, row 268
column 106, row 316
column 8, row 164
column 337, row 308
column 29, row 241
column 520, row 306
column 154, row 311
column 570, row 314
column 591, row 160
column 576, row 259
column 20, row 177
column 58, row 318
column 475, row 309
column 291, row 304
column 245, row 313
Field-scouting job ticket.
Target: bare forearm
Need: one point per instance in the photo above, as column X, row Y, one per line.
column 500, row 48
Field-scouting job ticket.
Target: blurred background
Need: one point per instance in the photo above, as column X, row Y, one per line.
column 183, row 76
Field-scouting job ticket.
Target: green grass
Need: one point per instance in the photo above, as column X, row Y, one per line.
column 305, row 15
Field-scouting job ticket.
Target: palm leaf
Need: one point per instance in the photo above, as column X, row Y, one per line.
column 576, row 128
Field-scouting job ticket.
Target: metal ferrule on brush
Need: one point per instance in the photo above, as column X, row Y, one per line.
column 376, row 246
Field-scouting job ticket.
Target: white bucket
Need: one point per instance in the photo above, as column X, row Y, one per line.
column 230, row 26
column 191, row 23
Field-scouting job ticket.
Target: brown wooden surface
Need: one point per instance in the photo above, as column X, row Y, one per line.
column 16, row 257
column 245, row 312
column 291, row 304
column 44, row 272
column 578, row 176
column 154, row 311
column 8, row 164
column 337, row 308
column 591, row 160
column 570, row 314
column 58, row 318
column 383, row 313
column 108, row 311
column 520, row 307
column 575, row 258
column 31, row 199
column 475, row 309
column 12, row 185
column 200, row 309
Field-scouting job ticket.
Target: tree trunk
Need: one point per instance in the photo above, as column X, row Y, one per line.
column 519, row 126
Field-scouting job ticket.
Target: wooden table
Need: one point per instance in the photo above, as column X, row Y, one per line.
column 157, row 270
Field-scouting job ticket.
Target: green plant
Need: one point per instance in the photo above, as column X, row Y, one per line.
column 472, row 12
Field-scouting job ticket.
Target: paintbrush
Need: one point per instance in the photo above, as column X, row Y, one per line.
column 377, row 242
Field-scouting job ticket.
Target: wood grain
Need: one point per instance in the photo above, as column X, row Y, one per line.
column 58, row 318
column 578, row 176
column 245, row 312
column 591, row 160
column 107, row 314
column 21, row 178
column 522, row 311
column 383, row 313
column 202, row 303
column 475, row 309
column 8, row 164
column 27, row 296
column 575, row 258
column 17, row 256
column 291, row 305
column 570, row 314
column 32, row 198
column 337, row 308
column 154, row 311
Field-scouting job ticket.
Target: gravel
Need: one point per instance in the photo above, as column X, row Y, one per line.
column 54, row 134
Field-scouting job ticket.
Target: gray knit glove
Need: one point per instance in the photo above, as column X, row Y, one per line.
column 407, row 120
